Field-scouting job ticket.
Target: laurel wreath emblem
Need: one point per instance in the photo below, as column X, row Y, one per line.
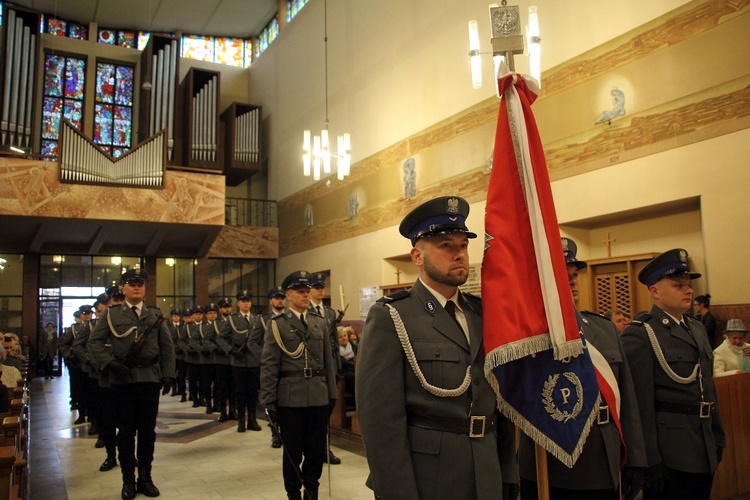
column 549, row 404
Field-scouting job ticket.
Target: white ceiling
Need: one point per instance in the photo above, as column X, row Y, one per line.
column 231, row 18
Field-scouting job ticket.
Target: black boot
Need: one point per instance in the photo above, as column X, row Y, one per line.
column 109, row 464
column 128, row 483
column 294, row 495
column 182, row 398
column 196, row 403
column 209, row 408
column 145, row 485
column 332, row 459
column 99, row 442
column 311, row 494
column 81, row 418
column 240, row 421
column 93, row 429
column 252, row 424
column 223, row 413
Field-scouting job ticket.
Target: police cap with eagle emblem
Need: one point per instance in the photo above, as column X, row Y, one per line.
column 134, row 276
column 570, row 250
column 297, row 280
column 671, row 264
column 444, row 215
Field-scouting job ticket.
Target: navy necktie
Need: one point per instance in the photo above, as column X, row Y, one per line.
column 450, row 307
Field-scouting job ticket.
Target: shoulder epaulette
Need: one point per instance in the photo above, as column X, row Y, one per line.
column 395, row 296
column 591, row 313
column 643, row 317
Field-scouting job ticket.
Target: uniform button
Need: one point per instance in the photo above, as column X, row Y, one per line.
column 437, row 354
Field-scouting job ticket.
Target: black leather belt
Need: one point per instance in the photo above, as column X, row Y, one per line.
column 475, row 426
column 702, row 409
column 305, row 373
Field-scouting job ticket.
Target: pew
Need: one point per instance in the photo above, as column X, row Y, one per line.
column 731, row 479
column 339, row 419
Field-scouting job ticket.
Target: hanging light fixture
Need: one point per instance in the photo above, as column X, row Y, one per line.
column 507, row 40
column 317, row 152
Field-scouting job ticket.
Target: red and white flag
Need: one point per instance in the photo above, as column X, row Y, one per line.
column 547, row 378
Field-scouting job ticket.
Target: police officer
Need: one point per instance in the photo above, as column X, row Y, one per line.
column 174, row 327
column 298, row 386
column 317, row 292
column 205, row 348
column 75, row 375
column 140, row 362
column 224, row 378
column 672, row 365
column 222, row 368
column 90, row 378
column 193, row 356
column 181, row 349
column 276, row 297
column 244, row 351
column 596, row 473
column 432, row 435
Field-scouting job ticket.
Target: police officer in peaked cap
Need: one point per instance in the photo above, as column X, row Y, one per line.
column 672, row 365
column 420, row 443
column 596, row 474
column 298, row 385
column 140, row 364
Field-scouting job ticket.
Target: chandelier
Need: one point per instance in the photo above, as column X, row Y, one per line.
column 317, row 149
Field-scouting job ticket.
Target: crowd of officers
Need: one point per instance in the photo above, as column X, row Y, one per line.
column 210, row 357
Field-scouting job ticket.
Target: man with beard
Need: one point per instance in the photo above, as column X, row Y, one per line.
column 426, row 411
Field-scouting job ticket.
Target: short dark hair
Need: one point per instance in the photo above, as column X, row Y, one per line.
column 704, row 300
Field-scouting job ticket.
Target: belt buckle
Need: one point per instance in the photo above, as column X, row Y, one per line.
column 307, row 372
column 705, row 410
column 602, row 418
column 476, row 426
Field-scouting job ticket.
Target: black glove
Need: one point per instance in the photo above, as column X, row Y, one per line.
column 166, row 385
column 719, row 454
column 271, row 414
column 510, row 491
column 331, row 404
column 632, row 482
column 655, row 478
column 118, row 369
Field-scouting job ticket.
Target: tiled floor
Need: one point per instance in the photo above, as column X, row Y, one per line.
column 196, row 457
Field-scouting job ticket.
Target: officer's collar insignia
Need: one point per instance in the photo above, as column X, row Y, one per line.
column 665, row 321
column 430, row 307
column 451, row 206
column 683, row 256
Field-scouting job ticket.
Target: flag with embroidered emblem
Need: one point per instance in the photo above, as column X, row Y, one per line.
column 540, row 366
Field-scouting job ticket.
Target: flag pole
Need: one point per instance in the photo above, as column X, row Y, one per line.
column 542, row 478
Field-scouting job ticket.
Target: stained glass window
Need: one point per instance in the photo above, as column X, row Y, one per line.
column 293, row 7
column 268, row 35
column 197, row 47
column 108, row 37
column 126, row 39
column 143, row 38
column 248, row 53
column 64, row 82
column 56, row 27
column 113, row 112
column 229, row 51
column 77, row 31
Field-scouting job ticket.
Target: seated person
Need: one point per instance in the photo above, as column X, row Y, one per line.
column 347, row 364
column 353, row 339
column 620, row 319
column 7, row 359
column 10, row 374
column 728, row 356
